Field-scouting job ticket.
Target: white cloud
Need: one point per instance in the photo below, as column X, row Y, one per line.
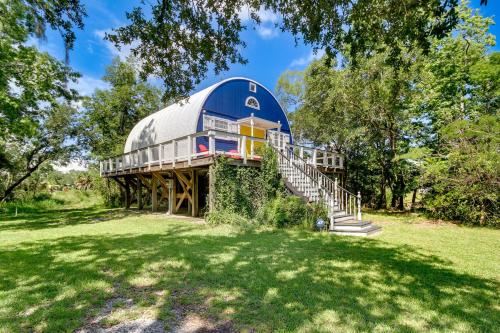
column 87, row 84
column 75, row 165
column 267, row 32
column 124, row 50
column 302, row 61
column 267, row 28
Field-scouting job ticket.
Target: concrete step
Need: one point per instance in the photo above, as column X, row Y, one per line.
column 352, row 226
column 372, row 230
column 343, row 218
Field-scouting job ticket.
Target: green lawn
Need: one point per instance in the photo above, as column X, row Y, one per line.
column 81, row 266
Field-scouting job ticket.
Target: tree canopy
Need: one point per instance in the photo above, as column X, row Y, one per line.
column 180, row 40
column 398, row 125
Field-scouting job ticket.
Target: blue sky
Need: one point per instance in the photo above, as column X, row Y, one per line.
column 269, row 51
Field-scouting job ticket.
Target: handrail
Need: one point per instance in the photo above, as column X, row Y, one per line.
column 181, row 149
column 342, row 198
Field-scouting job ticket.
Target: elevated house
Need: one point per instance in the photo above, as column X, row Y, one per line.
column 167, row 155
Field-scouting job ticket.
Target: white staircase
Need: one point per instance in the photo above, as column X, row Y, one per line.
column 306, row 181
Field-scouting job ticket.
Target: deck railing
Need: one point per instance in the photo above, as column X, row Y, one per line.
column 184, row 149
column 335, row 196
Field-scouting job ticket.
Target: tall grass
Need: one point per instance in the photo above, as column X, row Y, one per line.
column 51, row 201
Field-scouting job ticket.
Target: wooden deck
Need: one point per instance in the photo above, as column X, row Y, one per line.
column 171, row 171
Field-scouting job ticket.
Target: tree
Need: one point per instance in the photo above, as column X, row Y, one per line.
column 453, row 82
column 109, row 115
column 463, row 180
column 36, row 116
column 46, row 140
column 180, row 40
column 363, row 111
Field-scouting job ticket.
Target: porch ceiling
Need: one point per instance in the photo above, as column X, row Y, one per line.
column 259, row 122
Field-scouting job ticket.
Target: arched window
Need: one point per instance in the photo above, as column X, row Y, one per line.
column 252, row 102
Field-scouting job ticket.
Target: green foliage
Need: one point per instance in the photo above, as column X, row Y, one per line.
column 243, row 191
column 109, row 115
column 37, row 116
column 288, row 211
column 463, row 182
column 248, row 196
column 389, row 118
column 77, row 261
column 197, row 44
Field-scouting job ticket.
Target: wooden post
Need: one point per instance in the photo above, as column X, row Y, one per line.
column 244, row 149
column 301, row 152
column 194, row 191
column 211, row 142
column 314, row 157
column 251, row 139
column 189, row 149
column 359, row 206
column 139, row 193
column 154, row 194
column 211, row 188
column 335, row 192
column 149, row 158
column 160, row 155
column 128, row 198
column 170, row 197
column 174, row 151
column 174, row 193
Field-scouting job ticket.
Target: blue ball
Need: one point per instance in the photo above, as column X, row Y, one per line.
column 320, row 224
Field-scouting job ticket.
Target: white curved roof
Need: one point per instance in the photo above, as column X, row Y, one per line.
column 180, row 119
column 174, row 121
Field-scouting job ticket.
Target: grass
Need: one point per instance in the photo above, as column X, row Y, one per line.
column 63, row 267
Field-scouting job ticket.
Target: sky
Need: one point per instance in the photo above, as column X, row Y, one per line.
column 269, row 51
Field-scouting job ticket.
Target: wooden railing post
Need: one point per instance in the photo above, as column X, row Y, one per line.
column 189, row 149
column 244, row 149
column 301, row 152
column 160, row 154
column 100, row 168
column 314, row 157
column 174, row 151
column 335, row 193
column 149, row 157
column 359, row 206
column 211, row 142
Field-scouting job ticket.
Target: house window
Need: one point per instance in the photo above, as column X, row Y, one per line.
column 252, row 102
column 252, row 87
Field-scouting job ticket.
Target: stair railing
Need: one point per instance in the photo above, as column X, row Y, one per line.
column 339, row 198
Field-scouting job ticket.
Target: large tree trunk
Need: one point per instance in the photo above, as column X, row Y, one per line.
column 18, row 182
column 413, row 199
column 382, row 201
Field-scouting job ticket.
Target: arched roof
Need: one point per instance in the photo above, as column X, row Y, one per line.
column 174, row 121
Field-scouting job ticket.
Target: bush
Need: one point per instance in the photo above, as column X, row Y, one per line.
column 462, row 182
column 288, row 211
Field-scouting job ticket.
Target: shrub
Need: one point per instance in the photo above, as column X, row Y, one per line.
column 287, row 211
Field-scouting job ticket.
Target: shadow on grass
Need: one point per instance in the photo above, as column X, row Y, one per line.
column 55, row 218
column 263, row 281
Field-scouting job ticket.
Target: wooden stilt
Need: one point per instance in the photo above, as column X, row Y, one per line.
column 173, row 197
column 154, row 194
column 211, row 188
column 194, row 180
column 128, row 199
column 139, row 194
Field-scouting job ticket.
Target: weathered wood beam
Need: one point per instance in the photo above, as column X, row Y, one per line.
column 144, row 181
column 140, row 203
